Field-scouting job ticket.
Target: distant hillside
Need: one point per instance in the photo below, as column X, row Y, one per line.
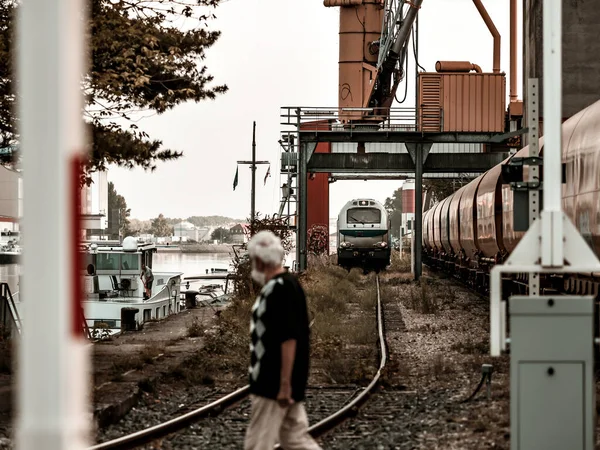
column 212, row 221
column 143, row 226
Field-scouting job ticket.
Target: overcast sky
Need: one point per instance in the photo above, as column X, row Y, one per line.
column 274, row 53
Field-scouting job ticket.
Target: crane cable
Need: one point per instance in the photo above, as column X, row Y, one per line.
column 414, row 46
column 405, row 86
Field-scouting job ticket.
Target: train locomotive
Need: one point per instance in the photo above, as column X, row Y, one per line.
column 363, row 229
column 472, row 230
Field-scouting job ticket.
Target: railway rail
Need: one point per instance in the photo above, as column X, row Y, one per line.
column 212, row 409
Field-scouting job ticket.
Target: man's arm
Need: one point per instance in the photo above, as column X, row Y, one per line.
column 288, row 355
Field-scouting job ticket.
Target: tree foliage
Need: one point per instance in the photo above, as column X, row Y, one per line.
column 7, row 96
column 276, row 225
column 160, row 227
column 141, row 60
column 118, row 214
column 220, row 234
column 318, row 239
column 243, row 284
column 393, row 206
column 440, row 188
column 137, row 227
column 212, row 221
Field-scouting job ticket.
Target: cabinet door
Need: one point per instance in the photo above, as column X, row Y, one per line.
column 551, row 402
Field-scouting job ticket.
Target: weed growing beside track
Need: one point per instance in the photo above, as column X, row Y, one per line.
column 342, row 307
column 342, row 310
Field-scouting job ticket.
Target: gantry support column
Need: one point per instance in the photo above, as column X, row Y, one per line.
column 418, row 153
column 305, row 151
column 302, row 208
column 417, row 228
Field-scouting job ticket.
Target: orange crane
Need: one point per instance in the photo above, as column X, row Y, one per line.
column 374, row 38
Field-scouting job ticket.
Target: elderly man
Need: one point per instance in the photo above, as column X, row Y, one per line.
column 279, row 352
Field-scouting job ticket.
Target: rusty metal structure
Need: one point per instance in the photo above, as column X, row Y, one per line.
column 458, row 103
column 373, row 50
column 461, row 101
column 403, row 151
column 372, row 56
column 455, row 99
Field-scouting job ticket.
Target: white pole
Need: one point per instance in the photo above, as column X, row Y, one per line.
column 52, row 391
column 552, row 225
column 412, row 248
column 552, row 104
column 401, row 242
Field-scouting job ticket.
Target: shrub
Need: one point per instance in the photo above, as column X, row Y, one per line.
column 195, row 328
column 400, row 263
column 422, row 300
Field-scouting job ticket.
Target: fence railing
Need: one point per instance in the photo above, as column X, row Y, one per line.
column 426, row 118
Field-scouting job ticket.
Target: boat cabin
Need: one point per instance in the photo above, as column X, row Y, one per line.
column 113, row 284
column 114, row 270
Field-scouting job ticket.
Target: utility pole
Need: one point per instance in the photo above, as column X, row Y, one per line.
column 253, row 163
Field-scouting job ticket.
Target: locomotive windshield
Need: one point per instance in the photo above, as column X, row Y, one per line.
column 363, row 215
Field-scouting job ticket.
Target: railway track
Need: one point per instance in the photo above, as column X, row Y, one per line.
column 331, row 406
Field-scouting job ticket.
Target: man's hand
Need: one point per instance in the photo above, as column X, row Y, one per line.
column 284, row 398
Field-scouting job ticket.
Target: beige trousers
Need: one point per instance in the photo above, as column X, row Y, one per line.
column 270, row 424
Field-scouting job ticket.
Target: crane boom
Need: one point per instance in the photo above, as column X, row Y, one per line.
column 373, row 38
column 395, row 35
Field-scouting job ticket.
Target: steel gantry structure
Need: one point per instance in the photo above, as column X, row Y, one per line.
column 416, row 158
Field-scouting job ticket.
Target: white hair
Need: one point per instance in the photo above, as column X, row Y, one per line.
column 267, row 247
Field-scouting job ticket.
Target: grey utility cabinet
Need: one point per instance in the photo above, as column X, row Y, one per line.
column 552, row 389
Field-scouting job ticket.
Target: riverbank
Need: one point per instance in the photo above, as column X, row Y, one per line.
column 197, row 248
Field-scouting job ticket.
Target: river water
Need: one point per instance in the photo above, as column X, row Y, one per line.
column 189, row 263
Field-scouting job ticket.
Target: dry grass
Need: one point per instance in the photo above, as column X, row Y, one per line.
column 195, row 328
column 421, row 298
column 120, row 367
column 400, row 263
column 148, row 385
column 388, row 293
column 339, row 371
column 439, row 366
column 149, row 353
column 342, row 305
column 471, row 347
column 355, row 275
column 225, row 349
column 330, row 291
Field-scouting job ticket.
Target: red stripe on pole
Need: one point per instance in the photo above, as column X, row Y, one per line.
column 76, row 257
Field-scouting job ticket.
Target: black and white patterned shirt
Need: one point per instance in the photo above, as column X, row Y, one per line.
column 279, row 314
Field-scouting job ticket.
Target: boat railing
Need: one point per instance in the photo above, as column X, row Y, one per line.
column 160, row 295
column 9, row 315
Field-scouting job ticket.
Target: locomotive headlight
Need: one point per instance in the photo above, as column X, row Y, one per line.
column 345, row 245
column 380, row 244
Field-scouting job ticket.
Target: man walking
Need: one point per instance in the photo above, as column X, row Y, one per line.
column 279, row 353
